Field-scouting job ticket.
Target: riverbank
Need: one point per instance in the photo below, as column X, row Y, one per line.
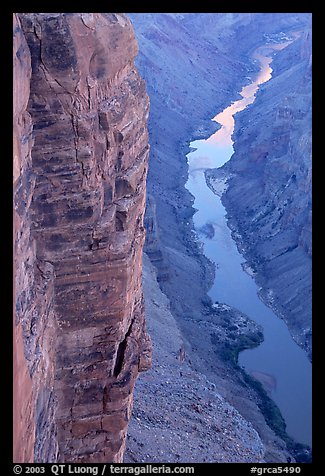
column 218, row 182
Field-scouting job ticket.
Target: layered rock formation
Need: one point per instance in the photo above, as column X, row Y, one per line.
column 80, row 165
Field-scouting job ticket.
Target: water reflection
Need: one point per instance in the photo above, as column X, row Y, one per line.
column 226, row 117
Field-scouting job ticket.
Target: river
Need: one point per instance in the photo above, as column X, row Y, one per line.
column 278, row 362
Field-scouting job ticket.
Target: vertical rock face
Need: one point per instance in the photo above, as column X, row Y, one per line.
column 152, row 243
column 34, row 323
column 79, row 202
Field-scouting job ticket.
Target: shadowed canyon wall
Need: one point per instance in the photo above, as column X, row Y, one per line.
column 80, row 164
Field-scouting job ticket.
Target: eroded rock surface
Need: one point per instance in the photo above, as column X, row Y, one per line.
column 80, row 166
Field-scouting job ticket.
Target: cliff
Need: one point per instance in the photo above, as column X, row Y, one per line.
column 80, row 165
column 268, row 199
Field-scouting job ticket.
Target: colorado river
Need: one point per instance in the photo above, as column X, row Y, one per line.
column 279, row 363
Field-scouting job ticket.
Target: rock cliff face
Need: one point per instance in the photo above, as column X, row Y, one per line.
column 80, row 165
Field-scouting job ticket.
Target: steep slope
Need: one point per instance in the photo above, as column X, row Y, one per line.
column 268, row 199
column 80, row 165
column 179, row 416
column 244, row 31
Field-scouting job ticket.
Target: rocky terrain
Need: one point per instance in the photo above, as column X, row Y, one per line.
column 80, row 166
column 190, row 78
column 178, row 415
column 268, row 198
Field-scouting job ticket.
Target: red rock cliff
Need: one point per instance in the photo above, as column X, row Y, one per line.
column 80, row 165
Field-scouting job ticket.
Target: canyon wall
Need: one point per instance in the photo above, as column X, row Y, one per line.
column 80, row 166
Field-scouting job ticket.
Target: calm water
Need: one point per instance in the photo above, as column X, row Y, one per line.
column 279, row 361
